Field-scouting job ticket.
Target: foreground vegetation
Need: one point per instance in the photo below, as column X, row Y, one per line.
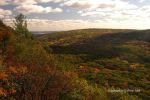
column 75, row 65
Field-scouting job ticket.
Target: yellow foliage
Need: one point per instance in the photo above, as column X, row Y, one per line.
column 22, row 70
column 134, row 66
column 81, row 66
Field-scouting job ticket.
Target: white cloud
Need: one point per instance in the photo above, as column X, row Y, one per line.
column 5, row 13
column 81, row 4
column 105, row 9
column 112, row 13
column 31, row 6
column 22, row 2
column 52, row 25
column 30, row 2
column 57, row 25
column 117, row 10
column 94, row 4
column 4, row 2
column 142, row 1
column 27, row 9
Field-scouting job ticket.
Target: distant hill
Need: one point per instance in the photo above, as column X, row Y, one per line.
column 96, row 41
column 111, row 35
column 101, row 43
column 73, row 36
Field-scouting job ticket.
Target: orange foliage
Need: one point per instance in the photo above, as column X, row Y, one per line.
column 134, row 66
column 17, row 70
column 95, row 70
column 11, row 91
column 12, row 69
column 3, row 75
column 2, row 92
column 71, row 74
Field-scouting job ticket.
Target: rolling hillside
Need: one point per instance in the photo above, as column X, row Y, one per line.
column 111, row 58
column 65, row 37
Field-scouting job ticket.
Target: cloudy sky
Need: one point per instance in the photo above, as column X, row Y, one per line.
column 54, row 15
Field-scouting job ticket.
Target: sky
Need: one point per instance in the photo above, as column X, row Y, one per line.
column 57, row 15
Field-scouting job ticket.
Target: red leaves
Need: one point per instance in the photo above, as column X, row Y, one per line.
column 5, row 79
column 8, row 78
column 4, row 92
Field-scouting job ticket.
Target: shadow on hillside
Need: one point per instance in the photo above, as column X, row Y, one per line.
column 107, row 45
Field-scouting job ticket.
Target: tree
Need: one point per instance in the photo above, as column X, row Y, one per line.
column 1, row 22
column 20, row 26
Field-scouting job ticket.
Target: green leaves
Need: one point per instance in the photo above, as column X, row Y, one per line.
column 20, row 26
